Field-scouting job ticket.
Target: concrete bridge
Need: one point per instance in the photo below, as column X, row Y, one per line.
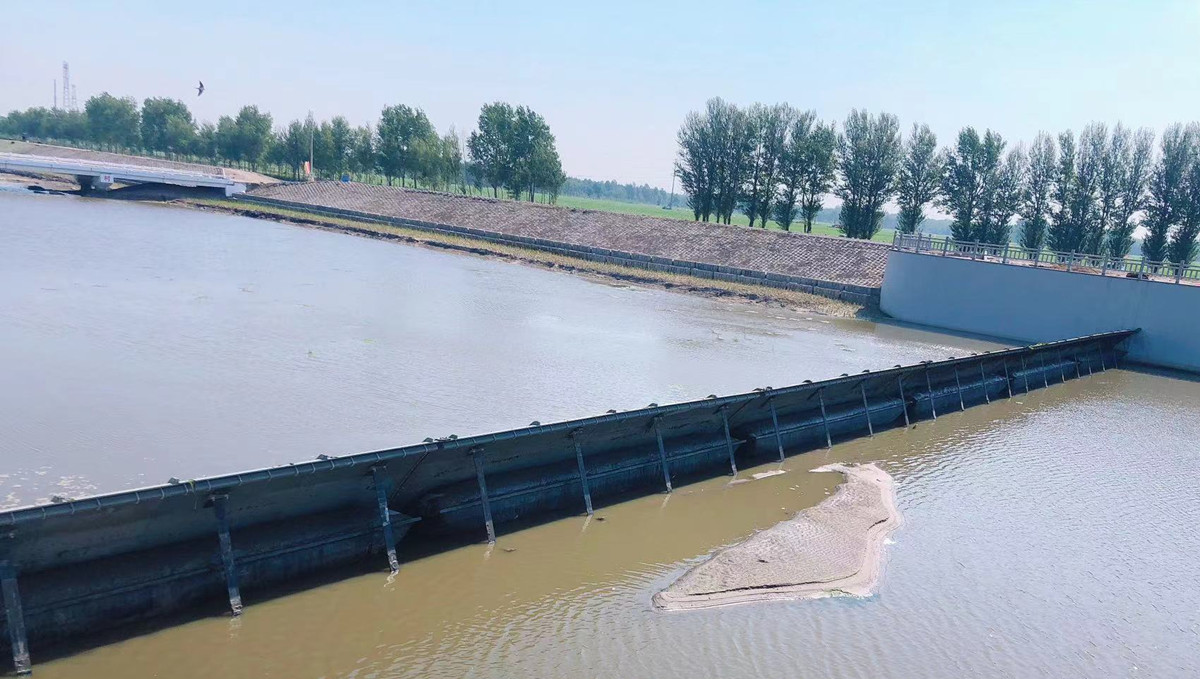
column 100, row 175
column 72, row 567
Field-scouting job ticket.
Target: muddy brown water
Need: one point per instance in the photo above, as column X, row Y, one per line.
column 1052, row 534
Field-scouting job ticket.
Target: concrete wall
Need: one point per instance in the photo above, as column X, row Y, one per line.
column 1037, row 305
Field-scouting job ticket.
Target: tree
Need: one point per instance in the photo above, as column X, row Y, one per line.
column 533, row 156
column 971, row 170
column 820, row 165
column 1074, row 218
column 1135, row 160
column 870, row 153
column 919, row 179
column 113, row 122
column 291, row 147
column 487, row 146
column 400, row 128
column 693, row 165
column 1035, row 193
column 167, row 125
column 1000, row 199
column 205, row 142
column 1093, row 151
column 793, row 166
column 339, row 137
column 363, row 158
column 766, row 130
column 1183, row 239
column 251, row 135
column 729, row 154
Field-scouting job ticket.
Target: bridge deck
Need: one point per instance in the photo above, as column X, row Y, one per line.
column 129, row 173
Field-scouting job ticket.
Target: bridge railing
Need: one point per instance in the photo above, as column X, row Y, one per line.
column 1077, row 262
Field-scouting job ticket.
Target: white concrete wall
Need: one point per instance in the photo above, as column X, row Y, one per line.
column 1037, row 305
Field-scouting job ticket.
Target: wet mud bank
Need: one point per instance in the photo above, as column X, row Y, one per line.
column 833, row 548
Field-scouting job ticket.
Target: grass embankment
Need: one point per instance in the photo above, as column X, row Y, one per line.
column 549, row 260
column 682, row 212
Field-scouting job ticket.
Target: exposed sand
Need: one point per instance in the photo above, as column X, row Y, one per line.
column 833, row 548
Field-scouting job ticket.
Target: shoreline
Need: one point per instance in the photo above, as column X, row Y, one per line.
column 834, row 548
column 601, row 272
column 598, row 271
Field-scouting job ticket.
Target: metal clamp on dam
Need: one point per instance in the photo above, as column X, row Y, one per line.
column 72, row 568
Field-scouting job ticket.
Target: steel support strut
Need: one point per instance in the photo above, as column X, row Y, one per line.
column 903, row 403
column 221, row 509
column 983, row 383
column 662, row 455
column 583, row 479
column 775, row 423
column 862, row 387
column 932, row 400
column 728, row 439
column 477, row 458
column 961, row 404
column 1007, row 379
column 824, row 418
column 379, row 479
column 15, row 619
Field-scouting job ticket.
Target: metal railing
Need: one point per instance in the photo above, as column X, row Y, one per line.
column 1077, row 262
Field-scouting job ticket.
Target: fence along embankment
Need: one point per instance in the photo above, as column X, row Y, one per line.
column 839, row 268
column 71, row 568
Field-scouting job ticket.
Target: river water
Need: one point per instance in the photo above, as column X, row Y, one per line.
column 1051, row 534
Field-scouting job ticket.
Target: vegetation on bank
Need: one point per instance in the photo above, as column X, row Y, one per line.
column 1085, row 193
column 672, row 281
column 513, row 149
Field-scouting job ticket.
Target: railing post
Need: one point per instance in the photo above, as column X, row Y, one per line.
column 728, row 439
column 945, row 246
column 1104, row 266
column 983, row 383
column 1004, row 258
column 379, row 479
column 961, row 406
column 583, row 478
column 1070, row 260
column 1178, row 272
column 929, row 387
column 903, row 403
column 862, row 387
column 824, row 418
column 662, row 454
column 220, row 505
column 15, row 619
column 477, row 458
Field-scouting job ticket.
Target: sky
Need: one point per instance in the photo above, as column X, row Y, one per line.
column 615, row 79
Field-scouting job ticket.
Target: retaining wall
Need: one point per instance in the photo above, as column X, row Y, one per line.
column 72, row 568
column 1036, row 304
column 839, row 268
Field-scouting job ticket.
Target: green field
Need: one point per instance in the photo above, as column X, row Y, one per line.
column 682, row 212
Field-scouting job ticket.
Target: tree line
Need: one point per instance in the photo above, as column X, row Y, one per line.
column 512, row 149
column 1084, row 193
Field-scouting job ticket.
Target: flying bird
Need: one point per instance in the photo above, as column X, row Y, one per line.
column 200, row 88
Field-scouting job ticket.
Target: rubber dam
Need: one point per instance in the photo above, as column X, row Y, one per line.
column 71, row 568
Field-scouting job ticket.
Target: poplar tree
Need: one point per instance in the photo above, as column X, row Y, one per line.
column 869, row 148
column 919, row 179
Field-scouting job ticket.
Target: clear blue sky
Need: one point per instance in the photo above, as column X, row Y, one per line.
column 614, row 79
